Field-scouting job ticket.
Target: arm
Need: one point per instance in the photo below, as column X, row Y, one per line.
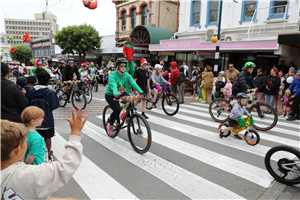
column 153, row 78
column 30, row 159
column 245, row 111
column 58, row 71
column 20, row 97
column 113, row 84
column 163, row 80
column 77, row 73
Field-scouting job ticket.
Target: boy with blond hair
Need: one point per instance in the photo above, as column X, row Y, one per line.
column 36, row 181
column 36, row 152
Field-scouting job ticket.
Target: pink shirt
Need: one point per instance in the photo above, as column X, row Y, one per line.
column 229, row 90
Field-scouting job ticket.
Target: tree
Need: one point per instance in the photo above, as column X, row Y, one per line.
column 78, row 40
column 23, row 54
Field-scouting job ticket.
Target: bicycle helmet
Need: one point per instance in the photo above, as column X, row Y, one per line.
column 121, row 60
column 249, row 64
column 242, row 96
column 158, row 66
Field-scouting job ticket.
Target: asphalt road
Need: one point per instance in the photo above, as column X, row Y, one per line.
column 187, row 159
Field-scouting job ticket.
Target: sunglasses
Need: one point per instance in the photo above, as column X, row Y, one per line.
column 230, row 66
column 122, row 65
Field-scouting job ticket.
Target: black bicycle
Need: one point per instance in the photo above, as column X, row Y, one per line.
column 78, row 98
column 138, row 129
column 263, row 120
column 169, row 103
column 283, row 163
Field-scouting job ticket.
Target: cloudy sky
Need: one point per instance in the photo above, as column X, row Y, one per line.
column 68, row 12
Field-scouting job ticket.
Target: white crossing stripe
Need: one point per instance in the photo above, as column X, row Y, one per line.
column 262, row 135
column 96, row 183
column 227, row 164
column 182, row 180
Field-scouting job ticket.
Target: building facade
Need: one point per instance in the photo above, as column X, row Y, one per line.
column 131, row 13
column 249, row 32
column 42, row 25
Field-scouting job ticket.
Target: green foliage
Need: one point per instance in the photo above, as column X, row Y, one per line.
column 1, row 57
column 23, row 53
column 78, row 39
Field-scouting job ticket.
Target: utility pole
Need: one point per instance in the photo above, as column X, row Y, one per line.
column 217, row 54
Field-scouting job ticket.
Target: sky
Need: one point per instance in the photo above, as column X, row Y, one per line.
column 68, row 12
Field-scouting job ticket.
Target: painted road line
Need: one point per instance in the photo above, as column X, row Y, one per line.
column 263, row 135
column 96, row 183
column 180, row 179
column 243, row 170
column 99, row 99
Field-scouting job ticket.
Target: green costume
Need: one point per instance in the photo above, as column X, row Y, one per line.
column 128, row 53
column 34, row 70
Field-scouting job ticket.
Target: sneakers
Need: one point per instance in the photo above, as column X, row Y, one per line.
column 203, row 102
column 221, row 133
column 286, row 117
column 50, row 157
column 291, row 119
column 146, row 117
column 154, row 106
column 282, row 116
column 216, row 106
column 237, row 137
column 226, row 109
column 110, row 129
column 197, row 98
column 200, row 99
column 64, row 96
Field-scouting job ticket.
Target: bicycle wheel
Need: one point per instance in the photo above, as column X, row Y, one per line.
column 251, row 137
column 88, row 93
column 220, row 114
column 62, row 101
column 106, row 119
column 78, row 99
column 264, row 121
column 96, row 86
column 283, row 163
column 222, row 126
column 149, row 102
column 139, row 133
column 169, row 106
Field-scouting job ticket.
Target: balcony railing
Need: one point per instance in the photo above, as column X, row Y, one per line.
column 268, row 15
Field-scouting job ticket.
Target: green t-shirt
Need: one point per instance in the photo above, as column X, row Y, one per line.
column 36, row 146
column 35, row 69
column 117, row 83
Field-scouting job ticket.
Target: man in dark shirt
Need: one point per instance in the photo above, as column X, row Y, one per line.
column 282, row 66
column 68, row 74
column 141, row 77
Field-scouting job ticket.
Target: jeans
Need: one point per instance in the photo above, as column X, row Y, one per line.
column 58, row 78
column 180, row 90
column 199, row 92
column 270, row 100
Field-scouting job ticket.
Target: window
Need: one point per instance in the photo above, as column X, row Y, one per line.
column 2, row 40
column 133, row 18
column 248, row 10
column 21, row 23
column 277, row 9
column 212, row 13
column 18, row 23
column 9, row 22
column 124, row 20
column 40, row 23
column 144, row 15
column 13, row 22
column 195, row 13
column 33, row 23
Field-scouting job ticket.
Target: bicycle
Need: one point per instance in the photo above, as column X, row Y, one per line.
column 78, row 98
column 264, row 121
column 86, row 89
column 251, row 136
column 94, row 82
column 169, row 106
column 283, row 164
column 138, row 129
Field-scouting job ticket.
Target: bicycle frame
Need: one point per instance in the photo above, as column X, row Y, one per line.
column 163, row 91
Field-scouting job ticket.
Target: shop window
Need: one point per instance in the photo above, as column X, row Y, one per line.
column 124, row 20
column 248, row 10
column 195, row 13
column 212, row 13
column 2, row 40
column 278, row 9
column 144, row 15
column 133, row 18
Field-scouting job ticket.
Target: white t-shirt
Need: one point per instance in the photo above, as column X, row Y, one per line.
column 185, row 69
column 83, row 74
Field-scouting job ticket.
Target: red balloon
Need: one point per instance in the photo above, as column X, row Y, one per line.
column 91, row 4
column 12, row 50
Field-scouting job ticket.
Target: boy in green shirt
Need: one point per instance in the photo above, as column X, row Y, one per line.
column 36, row 152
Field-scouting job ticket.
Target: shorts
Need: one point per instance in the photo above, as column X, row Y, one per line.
column 152, row 87
column 49, row 133
column 174, row 88
column 231, row 122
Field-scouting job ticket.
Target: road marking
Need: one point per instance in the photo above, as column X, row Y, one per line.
column 99, row 99
column 95, row 182
column 244, row 170
column 182, row 180
column 263, row 135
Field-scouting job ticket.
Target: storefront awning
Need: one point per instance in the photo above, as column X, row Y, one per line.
column 146, row 35
column 290, row 39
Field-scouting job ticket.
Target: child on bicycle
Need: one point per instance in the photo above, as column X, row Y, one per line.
column 83, row 75
column 239, row 109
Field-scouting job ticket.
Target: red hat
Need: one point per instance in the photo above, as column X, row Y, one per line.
column 84, row 64
column 38, row 61
column 92, row 63
column 62, row 62
column 143, row 61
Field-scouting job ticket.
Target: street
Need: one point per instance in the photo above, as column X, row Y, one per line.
column 187, row 158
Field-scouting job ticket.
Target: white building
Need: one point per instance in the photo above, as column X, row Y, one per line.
column 249, row 32
column 43, row 24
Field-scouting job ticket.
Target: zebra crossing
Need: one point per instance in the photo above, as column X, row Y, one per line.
column 187, row 159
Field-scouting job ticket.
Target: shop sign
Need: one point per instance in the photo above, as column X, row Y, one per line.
column 205, row 53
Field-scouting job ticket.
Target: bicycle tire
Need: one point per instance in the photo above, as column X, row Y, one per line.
column 260, row 119
column 88, row 93
column 105, row 121
column 167, row 101
column 281, row 161
column 249, row 134
column 228, row 132
column 219, row 111
column 149, row 101
column 62, row 102
column 96, row 86
column 137, row 134
column 80, row 95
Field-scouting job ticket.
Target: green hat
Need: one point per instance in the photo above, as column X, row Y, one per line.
column 249, row 64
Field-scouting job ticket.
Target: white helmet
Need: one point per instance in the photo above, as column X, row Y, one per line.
column 289, row 80
column 158, row 66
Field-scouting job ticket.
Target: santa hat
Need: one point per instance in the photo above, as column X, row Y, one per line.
column 62, row 62
column 92, row 63
column 84, row 64
column 38, row 61
column 143, row 61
